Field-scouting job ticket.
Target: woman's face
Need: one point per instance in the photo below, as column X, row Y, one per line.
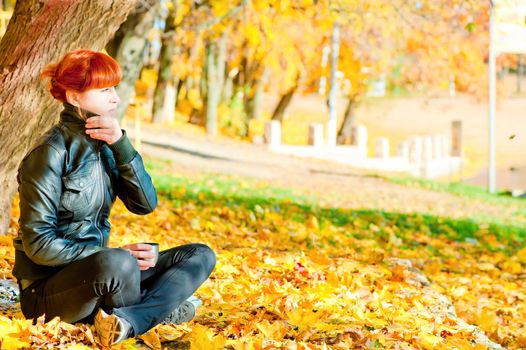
column 99, row 101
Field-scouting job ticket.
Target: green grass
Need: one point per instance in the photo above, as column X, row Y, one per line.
column 231, row 190
column 477, row 193
column 459, row 189
column 257, row 196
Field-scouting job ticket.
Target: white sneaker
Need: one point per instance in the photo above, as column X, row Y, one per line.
column 185, row 312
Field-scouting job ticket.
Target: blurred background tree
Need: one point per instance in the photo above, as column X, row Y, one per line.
column 211, row 61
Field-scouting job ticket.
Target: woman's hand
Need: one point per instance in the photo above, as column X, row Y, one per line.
column 143, row 253
column 104, row 128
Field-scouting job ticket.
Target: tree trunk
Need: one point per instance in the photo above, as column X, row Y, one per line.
column 258, row 96
column 215, row 75
column 165, row 77
column 333, row 89
column 250, row 106
column 41, row 32
column 254, row 95
column 228, row 88
column 208, row 67
column 345, row 134
column 221, row 64
column 250, row 88
column 239, row 78
column 212, row 91
column 128, row 46
column 203, row 87
column 284, row 102
column 179, row 86
column 170, row 101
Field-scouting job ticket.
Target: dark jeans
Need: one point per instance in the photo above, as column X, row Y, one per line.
column 111, row 279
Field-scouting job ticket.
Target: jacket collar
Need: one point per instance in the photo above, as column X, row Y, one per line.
column 72, row 119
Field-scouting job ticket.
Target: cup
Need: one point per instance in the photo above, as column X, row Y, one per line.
column 155, row 250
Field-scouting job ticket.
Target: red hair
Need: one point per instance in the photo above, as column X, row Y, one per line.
column 81, row 70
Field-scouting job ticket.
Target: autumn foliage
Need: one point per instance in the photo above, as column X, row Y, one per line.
column 293, row 273
column 281, row 47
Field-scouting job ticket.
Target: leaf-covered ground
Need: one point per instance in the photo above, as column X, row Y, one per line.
column 295, row 274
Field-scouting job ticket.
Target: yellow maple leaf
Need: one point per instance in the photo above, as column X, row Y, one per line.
column 313, row 223
column 429, row 340
column 275, row 330
column 511, row 266
column 8, row 331
column 10, row 343
column 171, row 332
column 247, row 343
column 302, row 318
column 151, row 339
column 319, row 258
column 521, row 255
column 202, row 338
column 129, row 344
column 332, row 278
column 487, row 320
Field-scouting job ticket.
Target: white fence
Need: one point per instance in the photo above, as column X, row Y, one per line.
column 427, row 156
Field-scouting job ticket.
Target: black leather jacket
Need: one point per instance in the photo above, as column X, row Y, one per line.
column 67, row 186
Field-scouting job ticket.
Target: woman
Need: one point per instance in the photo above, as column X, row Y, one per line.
column 67, row 185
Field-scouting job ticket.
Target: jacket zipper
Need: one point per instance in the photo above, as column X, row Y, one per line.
column 101, row 202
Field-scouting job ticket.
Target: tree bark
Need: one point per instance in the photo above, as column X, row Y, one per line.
column 258, row 96
column 345, row 134
column 165, row 76
column 212, row 91
column 283, row 103
column 254, row 94
column 221, row 64
column 228, row 88
column 179, row 86
column 41, row 32
column 245, row 82
column 128, row 47
column 333, row 88
column 249, row 93
column 215, row 75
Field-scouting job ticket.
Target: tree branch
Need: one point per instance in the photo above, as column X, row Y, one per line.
column 200, row 27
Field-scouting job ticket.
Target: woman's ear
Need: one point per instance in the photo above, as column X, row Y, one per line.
column 72, row 98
